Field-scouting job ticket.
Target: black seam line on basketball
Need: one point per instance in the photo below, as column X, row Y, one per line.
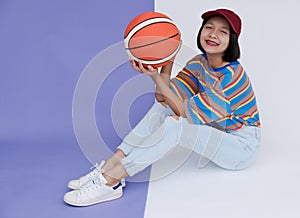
column 150, row 18
column 140, row 46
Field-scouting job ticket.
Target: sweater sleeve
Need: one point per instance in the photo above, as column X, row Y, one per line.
column 207, row 106
column 185, row 84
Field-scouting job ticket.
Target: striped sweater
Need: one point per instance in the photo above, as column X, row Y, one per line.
column 221, row 97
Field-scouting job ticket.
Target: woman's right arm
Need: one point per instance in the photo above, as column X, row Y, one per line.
column 165, row 74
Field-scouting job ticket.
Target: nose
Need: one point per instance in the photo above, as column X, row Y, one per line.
column 213, row 34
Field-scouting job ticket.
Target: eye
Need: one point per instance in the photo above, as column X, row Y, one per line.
column 224, row 32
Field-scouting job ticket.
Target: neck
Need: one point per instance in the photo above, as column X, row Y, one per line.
column 216, row 61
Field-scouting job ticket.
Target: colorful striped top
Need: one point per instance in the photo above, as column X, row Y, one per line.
column 220, row 97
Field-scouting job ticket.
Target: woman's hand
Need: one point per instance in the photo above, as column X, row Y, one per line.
column 151, row 71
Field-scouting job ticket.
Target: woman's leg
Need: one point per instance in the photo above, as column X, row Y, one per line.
column 154, row 147
column 235, row 150
column 114, row 175
column 148, row 124
column 113, row 160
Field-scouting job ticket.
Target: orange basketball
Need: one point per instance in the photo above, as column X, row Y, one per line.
column 152, row 38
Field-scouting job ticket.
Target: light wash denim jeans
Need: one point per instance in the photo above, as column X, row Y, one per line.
column 158, row 133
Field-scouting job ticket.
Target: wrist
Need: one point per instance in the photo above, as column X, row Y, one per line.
column 167, row 69
column 165, row 72
column 155, row 77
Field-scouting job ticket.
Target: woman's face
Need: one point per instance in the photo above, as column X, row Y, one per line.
column 214, row 37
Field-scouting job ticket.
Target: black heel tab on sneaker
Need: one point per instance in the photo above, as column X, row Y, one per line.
column 117, row 186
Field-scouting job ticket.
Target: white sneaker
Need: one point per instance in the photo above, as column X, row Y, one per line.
column 94, row 193
column 88, row 178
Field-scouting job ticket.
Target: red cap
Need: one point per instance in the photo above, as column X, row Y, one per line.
column 233, row 19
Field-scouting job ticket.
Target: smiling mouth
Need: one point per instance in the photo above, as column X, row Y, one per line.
column 211, row 43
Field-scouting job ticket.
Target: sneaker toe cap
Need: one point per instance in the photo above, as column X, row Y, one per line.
column 71, row 197
column 74, row 184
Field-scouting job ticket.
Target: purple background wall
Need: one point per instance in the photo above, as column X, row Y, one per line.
column 44, row 46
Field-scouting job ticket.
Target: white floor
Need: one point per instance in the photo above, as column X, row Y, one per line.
column 270, row 188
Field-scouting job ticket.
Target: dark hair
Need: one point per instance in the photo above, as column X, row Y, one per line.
column 232, row 53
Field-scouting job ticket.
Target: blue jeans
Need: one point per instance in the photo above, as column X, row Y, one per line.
column 157, row 134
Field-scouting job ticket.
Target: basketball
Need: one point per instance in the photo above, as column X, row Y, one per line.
column 152, row 38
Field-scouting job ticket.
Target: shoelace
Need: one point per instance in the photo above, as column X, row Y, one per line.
column 95, row 170
column 97, row 167
column 94, row 177
column 98, row 180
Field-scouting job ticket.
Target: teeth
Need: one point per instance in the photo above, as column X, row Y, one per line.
column 211, row 42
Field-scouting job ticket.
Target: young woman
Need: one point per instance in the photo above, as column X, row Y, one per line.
column 212, row 93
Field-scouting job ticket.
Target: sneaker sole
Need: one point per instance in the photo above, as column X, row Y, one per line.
column 76, row 188
column 110, row 198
